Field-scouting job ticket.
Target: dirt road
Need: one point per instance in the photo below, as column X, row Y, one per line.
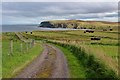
column 50, row 64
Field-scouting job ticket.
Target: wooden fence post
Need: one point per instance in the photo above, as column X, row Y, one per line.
column 21, row 47
column 30, row 45
column 27, row 46
column 33, row 43
column 11, row 47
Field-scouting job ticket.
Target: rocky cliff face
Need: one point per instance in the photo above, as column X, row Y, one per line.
column 58, row 25
column 46, row 24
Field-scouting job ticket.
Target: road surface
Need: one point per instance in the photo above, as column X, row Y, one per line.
column 50, row 64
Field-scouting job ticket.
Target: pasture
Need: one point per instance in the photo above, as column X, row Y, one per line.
column 106, row 49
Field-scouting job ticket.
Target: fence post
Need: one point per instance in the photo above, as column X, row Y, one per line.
column 32, row 43
column 11, row 47
column 21, row 47
column 27, row 45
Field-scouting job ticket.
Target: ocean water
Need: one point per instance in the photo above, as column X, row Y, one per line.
column 18, row 28
column 22, row 28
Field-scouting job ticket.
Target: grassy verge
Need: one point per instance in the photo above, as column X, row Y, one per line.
column 76, row 69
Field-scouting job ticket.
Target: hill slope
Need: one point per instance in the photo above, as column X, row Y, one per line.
column 79, row 24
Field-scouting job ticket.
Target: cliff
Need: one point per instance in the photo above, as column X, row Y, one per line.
column 79, row 24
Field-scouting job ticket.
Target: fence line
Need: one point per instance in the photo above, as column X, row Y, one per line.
column 25, row 45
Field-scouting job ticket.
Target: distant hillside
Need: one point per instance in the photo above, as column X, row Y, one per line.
column 80, row 24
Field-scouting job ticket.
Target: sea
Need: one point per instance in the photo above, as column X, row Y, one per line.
column 29, row 28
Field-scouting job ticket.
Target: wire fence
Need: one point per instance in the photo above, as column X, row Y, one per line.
column 22, row 45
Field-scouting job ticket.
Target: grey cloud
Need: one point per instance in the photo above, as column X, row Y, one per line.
column 48, row 9
column 59, row 9
column 93, row 15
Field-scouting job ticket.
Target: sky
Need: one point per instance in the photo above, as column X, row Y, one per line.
column 60, row 0
column 35, row 12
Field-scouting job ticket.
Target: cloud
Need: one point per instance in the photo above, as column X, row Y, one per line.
column 57, row 10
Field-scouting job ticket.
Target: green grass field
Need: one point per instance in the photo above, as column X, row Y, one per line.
column 105, row 49
column 13, row 64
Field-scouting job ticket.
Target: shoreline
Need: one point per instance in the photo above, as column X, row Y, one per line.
column 45, row 29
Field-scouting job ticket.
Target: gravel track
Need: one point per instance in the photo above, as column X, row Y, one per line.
column 50, row 64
